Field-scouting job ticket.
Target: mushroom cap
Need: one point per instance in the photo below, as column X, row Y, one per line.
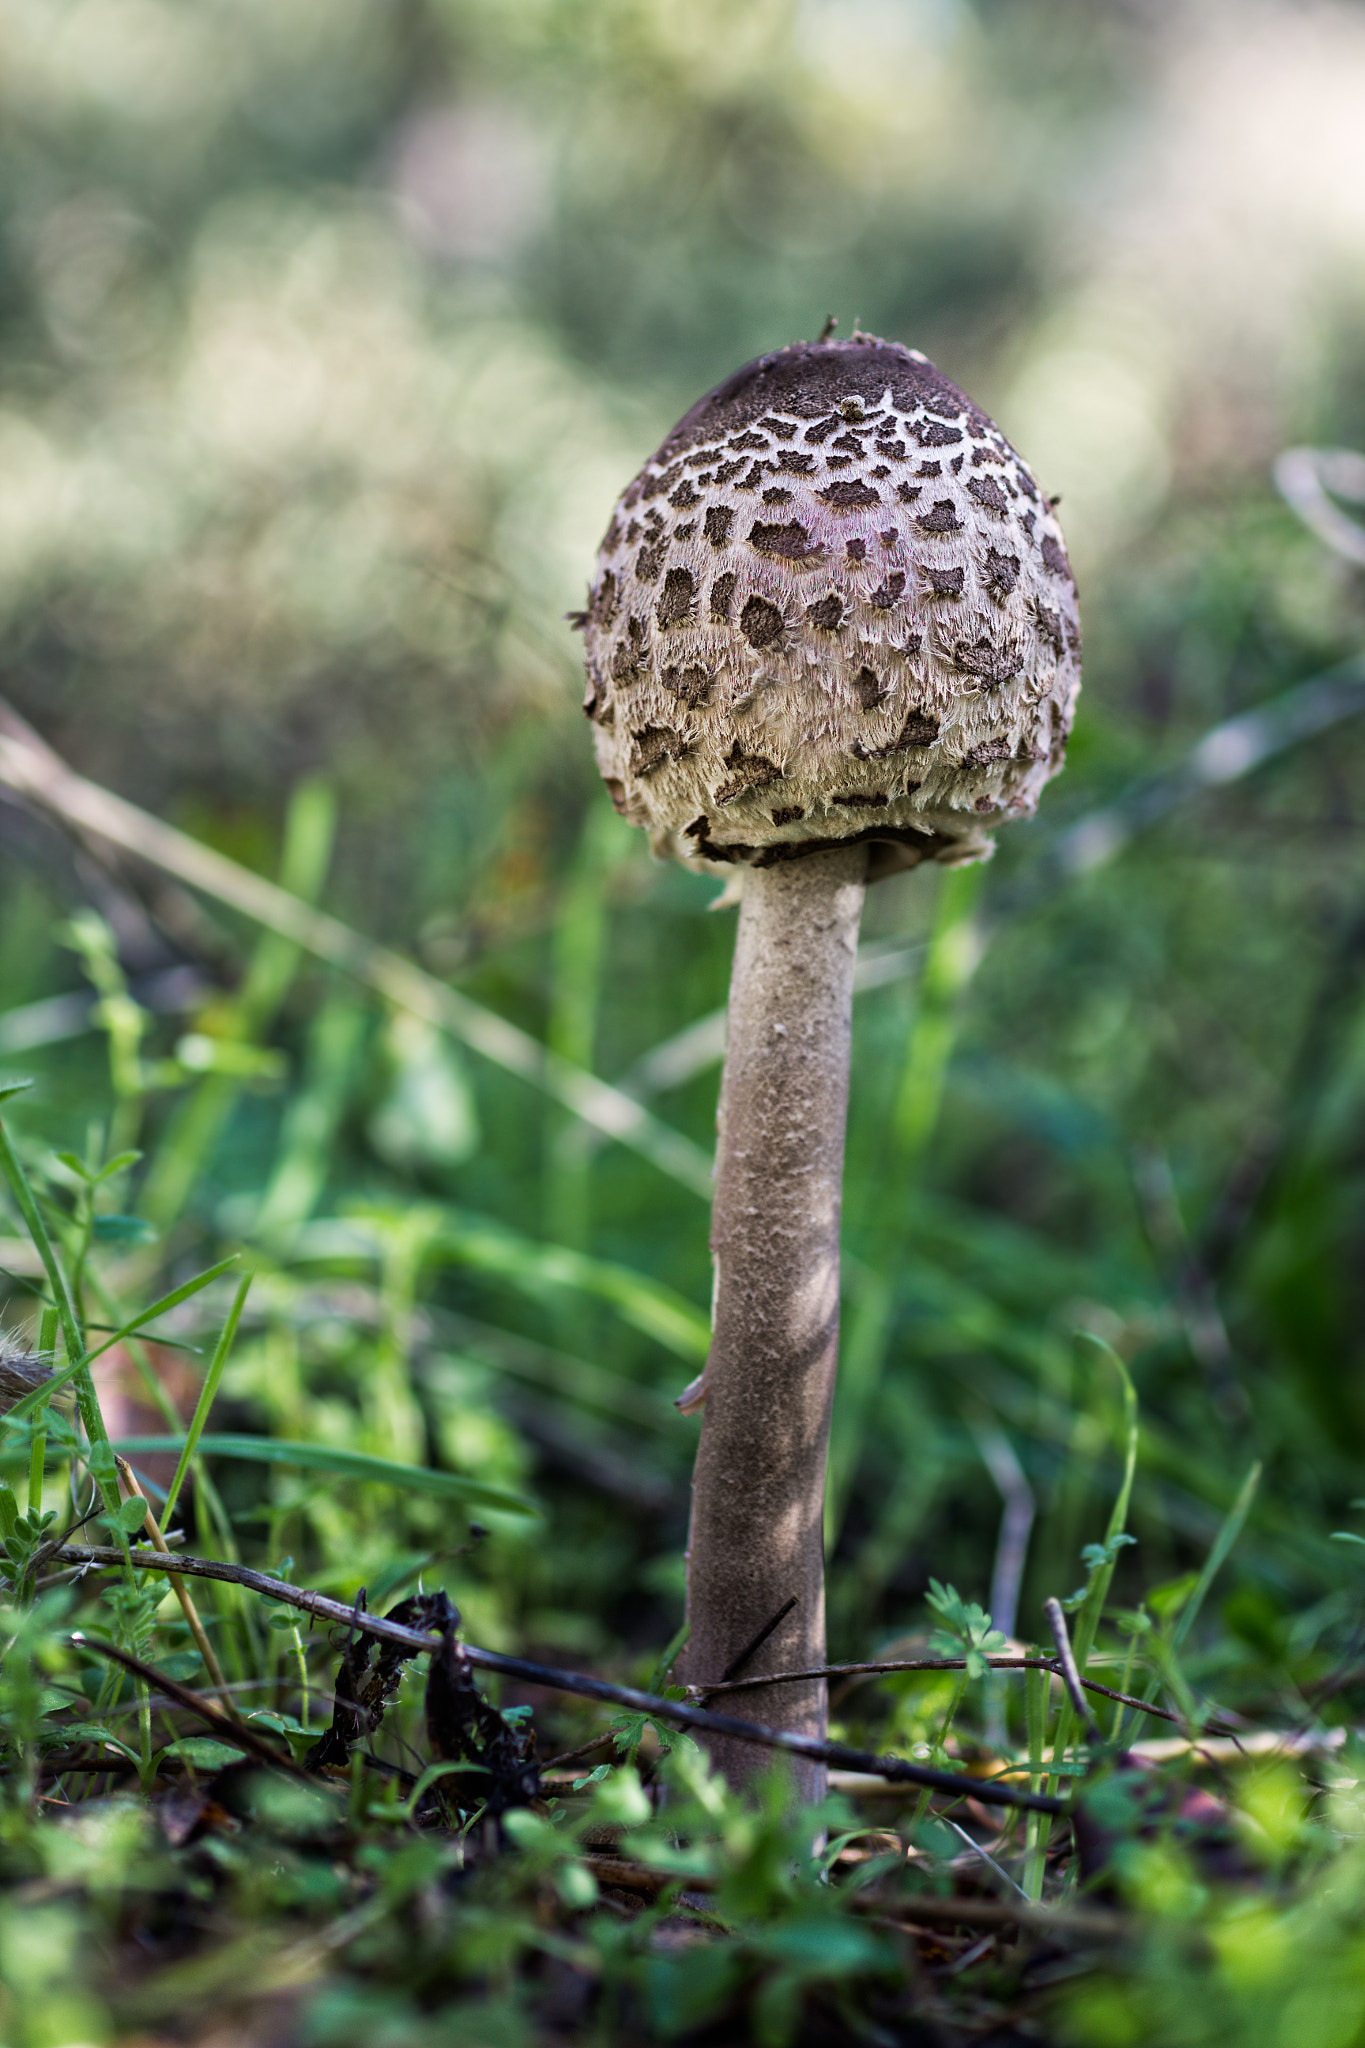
column 833, row 606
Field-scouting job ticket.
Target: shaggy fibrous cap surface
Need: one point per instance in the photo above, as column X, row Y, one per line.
column 834, row 605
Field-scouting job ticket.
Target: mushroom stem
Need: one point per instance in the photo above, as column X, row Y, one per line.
column 758, row 1489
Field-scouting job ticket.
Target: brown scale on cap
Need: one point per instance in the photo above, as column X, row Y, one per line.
column 847, row 563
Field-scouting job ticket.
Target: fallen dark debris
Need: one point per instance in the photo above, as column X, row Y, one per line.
column 370, row 1674
column 462, row 1727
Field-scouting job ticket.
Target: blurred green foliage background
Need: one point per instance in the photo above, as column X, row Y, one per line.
column 328, row 334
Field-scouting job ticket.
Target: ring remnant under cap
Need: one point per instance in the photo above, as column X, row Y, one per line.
column 834, row 606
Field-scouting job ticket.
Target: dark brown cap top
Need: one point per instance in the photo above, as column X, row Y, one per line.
column 834, row 605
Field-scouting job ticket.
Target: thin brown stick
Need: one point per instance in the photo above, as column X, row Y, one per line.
column 232, row 1732
column 150, row 1523
column 332, row 1610
column 1084, row 1923
column 1081, row 1923
column 989, row 1791
column 1066, row 1659
column 572, row 1756
column 872, row 1670
column 619, row 1873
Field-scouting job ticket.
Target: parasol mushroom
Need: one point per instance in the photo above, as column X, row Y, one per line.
column 832, row 633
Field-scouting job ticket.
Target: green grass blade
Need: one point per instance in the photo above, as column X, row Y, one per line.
column 1227, row 1535
column 564, row 1375
column 659, row 1313
column 1097, row 1591
column 649, row 1307
column 38, row 1231
column 396, row 979
column 1036, row 1827
column 207, row 1394
column 1088, row 1619
column 578, row 955
column 167, row 1301
column 37, row 1456
column 101, row 1457
column 312, row 1116
column 670, row 1656
column 954, row 953
column 200, row 1117
column 306, row 856
column 862, row 1362
column 266, row 1450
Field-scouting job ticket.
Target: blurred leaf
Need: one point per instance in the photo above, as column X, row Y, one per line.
column 172, row 1300
column 1167, row 1600
column 427, row 1117
column 207, row 1394
column 203, row 1752
column 73, row 1732
column 1233, row 1523
column 124, row 1230
column 262, row 1450
column 181, row 1664
column 199, row 1054
column 118, row 1164
column 654, row 1310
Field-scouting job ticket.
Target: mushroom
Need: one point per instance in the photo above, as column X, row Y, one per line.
column 832, row 633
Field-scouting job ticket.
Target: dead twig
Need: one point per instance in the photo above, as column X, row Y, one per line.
column 1079, row 1923
column 619, row 1873
column 152, row 1527
column 233, row 1732
column 680, row 1712
column 1073, row 1923
column 878, row 1669
column 1071, row 1677
column 572, row 1756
